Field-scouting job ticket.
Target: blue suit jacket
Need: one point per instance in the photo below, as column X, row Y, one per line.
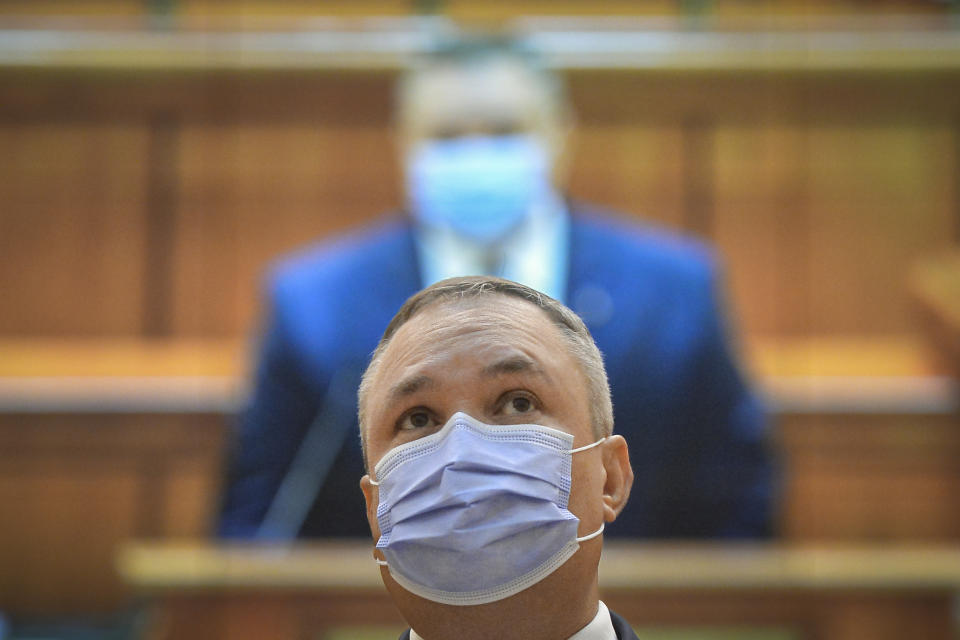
column 696, row 433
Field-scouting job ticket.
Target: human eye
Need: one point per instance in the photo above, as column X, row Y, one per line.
column 515, row 403
column 418, row 418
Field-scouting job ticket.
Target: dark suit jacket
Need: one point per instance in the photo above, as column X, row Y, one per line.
column 695, row 431
column 624, row 630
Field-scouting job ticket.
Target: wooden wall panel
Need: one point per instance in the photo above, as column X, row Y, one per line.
column 250, row 192
column 294, row 8
column 820, row 223
column 635, row 168
column 73, row 7
column 758, row 225
column 486, row 11
column 62, row 518
column 870, row 477
column 880, row 196
column 190, row 490
column 72, row 216
column 73, row 487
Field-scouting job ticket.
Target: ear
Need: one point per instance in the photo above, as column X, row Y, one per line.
column 619, row 476
column 372, row 498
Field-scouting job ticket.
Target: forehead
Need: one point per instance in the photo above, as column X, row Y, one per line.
column 496, row 86
column 466, row 335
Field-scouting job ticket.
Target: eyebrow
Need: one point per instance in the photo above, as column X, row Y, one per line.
column 514, row 364
column 411, row 385
column 510, row 365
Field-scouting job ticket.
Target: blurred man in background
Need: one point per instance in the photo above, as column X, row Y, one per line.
column 483, row 132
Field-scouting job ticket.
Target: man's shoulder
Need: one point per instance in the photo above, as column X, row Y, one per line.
column 352, row 251
column 605, row 238
column 361, row 277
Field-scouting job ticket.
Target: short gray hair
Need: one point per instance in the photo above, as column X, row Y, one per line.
column 579, row 341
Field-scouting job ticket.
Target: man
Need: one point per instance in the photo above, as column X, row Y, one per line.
column 483, row 131
column 486, row 422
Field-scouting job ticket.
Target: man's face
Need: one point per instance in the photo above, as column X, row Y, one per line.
column 499, row 359
column 497, row 96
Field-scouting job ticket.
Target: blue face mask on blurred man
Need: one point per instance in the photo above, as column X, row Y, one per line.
column 481, row 187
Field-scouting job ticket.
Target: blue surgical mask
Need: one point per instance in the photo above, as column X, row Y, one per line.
column 475, row 513
column 480, row 186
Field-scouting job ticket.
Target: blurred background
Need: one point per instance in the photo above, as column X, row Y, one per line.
column 156, row 155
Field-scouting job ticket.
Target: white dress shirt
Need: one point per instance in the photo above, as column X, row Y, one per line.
column 534, row 254
column 600, row 628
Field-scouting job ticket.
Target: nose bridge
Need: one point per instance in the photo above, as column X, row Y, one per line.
column 465, row 394
column 472, row 405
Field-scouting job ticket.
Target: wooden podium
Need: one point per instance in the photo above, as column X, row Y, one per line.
column 850, row 593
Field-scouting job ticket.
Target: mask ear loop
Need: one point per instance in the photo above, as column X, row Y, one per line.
column 589, row 446
column 591, row 536
column 382, row 563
